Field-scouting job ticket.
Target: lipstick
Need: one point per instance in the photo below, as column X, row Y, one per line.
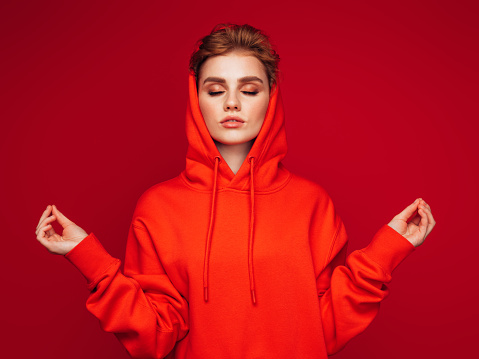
column 232, row 122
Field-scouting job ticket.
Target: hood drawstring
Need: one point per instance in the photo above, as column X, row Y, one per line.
column 250, row 237
column 210, row 230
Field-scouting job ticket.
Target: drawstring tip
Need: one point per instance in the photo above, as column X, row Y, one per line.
column 206, row 294
column 253, row 296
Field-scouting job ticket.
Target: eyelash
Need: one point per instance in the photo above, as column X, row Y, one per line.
column 251, row 93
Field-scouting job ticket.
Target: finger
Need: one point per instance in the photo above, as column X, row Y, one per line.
column 51, row 231
column 46, row 221
column 416, row 219
column 408, row 212
column 64, row 221
column 424, row 222
column 426, row 205
column 48, row 242
column 431, row 221
column 45, row 214
column 42, row 237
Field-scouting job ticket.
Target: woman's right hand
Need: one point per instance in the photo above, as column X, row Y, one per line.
column 52, row 241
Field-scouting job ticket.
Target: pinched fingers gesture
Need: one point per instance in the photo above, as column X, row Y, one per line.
column 415, row 222
column 52, row 241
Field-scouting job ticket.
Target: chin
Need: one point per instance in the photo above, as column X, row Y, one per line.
column 233, row 142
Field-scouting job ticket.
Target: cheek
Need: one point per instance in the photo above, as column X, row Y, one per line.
column 262, row 108
column 206, row 108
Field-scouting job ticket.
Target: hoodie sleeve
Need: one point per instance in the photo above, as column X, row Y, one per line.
column 141, row 307
column 351, row 288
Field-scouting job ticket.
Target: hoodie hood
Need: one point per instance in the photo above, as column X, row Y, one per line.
column 261, row 172
column 268, row 150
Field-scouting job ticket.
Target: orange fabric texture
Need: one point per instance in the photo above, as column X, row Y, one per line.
column 251, row 265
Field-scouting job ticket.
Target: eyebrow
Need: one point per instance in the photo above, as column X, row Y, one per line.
column 241, row 80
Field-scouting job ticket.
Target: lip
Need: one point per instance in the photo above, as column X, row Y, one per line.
column 230, row 118
column 228, row 122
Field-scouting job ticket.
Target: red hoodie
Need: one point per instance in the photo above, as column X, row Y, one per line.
column 251, row 265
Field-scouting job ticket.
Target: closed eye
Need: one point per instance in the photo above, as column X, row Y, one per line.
column 249, row 93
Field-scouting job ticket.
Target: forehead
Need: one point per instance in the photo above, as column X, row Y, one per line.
column 232, row 66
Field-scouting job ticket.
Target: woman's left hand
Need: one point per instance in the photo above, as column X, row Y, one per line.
column 419, row 226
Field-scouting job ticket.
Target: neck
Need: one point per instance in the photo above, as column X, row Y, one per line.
column 234, row 155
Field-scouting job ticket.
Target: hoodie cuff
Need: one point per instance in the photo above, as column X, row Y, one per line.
column 90, row 258
column 388, row 248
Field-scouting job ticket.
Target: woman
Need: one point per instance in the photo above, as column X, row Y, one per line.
column 236, row 257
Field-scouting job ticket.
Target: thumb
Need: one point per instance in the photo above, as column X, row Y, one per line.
column 64, row 221
column 407, row 213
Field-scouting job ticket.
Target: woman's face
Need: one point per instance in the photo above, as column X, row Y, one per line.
column 233, row 93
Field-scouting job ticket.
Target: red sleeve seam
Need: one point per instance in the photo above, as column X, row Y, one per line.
column 379, row 265
column 139, row 227
column 94, row 283
column 333, row 242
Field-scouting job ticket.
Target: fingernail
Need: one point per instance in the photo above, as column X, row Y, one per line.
column 417, row 199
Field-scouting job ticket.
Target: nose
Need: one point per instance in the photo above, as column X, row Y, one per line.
column 232, row 102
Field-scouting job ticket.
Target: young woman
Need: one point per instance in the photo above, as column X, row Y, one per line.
column 236, row 257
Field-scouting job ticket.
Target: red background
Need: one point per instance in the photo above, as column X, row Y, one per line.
column 381, row 108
